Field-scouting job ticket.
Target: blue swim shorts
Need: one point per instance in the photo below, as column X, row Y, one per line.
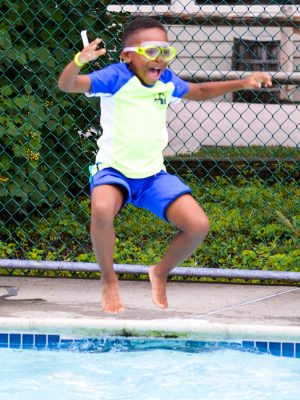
column 154, row 193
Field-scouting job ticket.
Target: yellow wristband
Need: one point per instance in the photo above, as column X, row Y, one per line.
column 77, row 62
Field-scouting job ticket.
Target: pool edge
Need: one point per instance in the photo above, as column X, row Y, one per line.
column 179, row 328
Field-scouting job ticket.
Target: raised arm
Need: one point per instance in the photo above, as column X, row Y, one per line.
column 70, row 80
column 209, row 90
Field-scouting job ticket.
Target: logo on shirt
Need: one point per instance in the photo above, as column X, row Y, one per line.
column 160, row 99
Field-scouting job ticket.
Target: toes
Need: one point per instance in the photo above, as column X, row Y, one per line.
column 111, row 309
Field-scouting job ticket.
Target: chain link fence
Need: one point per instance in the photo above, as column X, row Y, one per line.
column 239, row 153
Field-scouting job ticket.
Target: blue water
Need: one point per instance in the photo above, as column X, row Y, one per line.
column 127, row 372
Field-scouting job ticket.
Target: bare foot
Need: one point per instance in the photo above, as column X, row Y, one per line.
column 111, row 302
column 158, row 283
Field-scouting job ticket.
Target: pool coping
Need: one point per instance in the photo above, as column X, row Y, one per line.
column 162, row 328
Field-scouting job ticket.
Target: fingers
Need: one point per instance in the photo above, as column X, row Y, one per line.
column 263, row 79
column 91, row 52
column 258, row 79
column 94, row 44
column 266, row 80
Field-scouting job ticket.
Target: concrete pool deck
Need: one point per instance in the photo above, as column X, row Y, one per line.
column 239, row 309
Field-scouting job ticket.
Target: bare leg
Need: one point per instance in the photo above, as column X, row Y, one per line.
column 106, row 202
column 193, row 225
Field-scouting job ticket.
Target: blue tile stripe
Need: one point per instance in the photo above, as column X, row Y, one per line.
column 28, row 341
column 57, row 342
column 280, row 349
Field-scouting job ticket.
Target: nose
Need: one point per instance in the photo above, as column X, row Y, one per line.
column 160, row 57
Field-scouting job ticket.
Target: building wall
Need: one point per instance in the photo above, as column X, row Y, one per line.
column 209, row 48
column 223, row 122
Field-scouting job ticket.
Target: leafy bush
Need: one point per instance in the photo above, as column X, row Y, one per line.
column 43, row 154
column 246, row 232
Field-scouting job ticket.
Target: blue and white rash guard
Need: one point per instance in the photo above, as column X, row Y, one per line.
column 133, row 119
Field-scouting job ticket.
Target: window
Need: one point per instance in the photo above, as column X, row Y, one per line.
column 256, row 55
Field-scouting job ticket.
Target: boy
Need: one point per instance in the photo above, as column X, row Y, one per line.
column 129, row 165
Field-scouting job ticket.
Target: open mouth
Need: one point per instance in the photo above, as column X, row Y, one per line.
column 154, row 73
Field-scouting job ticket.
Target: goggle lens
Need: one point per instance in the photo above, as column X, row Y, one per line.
column 153, row 52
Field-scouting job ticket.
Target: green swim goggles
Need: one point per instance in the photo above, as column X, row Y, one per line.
column 151, row 50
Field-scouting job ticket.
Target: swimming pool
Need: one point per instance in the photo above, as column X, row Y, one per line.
column 44, row 366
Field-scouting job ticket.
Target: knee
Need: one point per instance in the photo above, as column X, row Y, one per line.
column 101, row 212
column 205, row 224
column 199, row 227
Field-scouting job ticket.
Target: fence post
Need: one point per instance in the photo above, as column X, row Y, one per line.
column 287, row 50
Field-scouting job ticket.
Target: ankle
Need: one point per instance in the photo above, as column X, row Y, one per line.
column 109, row 279
column 159, row 272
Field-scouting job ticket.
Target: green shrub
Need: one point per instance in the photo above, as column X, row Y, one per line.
column 45, row 152
column 246, row 232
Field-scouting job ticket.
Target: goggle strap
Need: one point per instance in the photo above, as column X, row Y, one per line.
column 130, row 48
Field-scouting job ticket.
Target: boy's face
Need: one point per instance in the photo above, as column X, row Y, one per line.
column 148, row 71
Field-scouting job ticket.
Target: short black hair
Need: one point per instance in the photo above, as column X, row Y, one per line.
column 139, row 24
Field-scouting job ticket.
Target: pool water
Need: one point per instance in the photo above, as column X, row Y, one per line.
column 147, row 369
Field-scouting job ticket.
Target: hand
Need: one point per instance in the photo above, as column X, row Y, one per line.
column 258, row 79
column 91, row 52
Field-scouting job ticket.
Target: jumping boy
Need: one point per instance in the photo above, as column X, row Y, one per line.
column 129, row 168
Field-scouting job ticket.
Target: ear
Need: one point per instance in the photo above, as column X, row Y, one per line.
column 125, row 56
